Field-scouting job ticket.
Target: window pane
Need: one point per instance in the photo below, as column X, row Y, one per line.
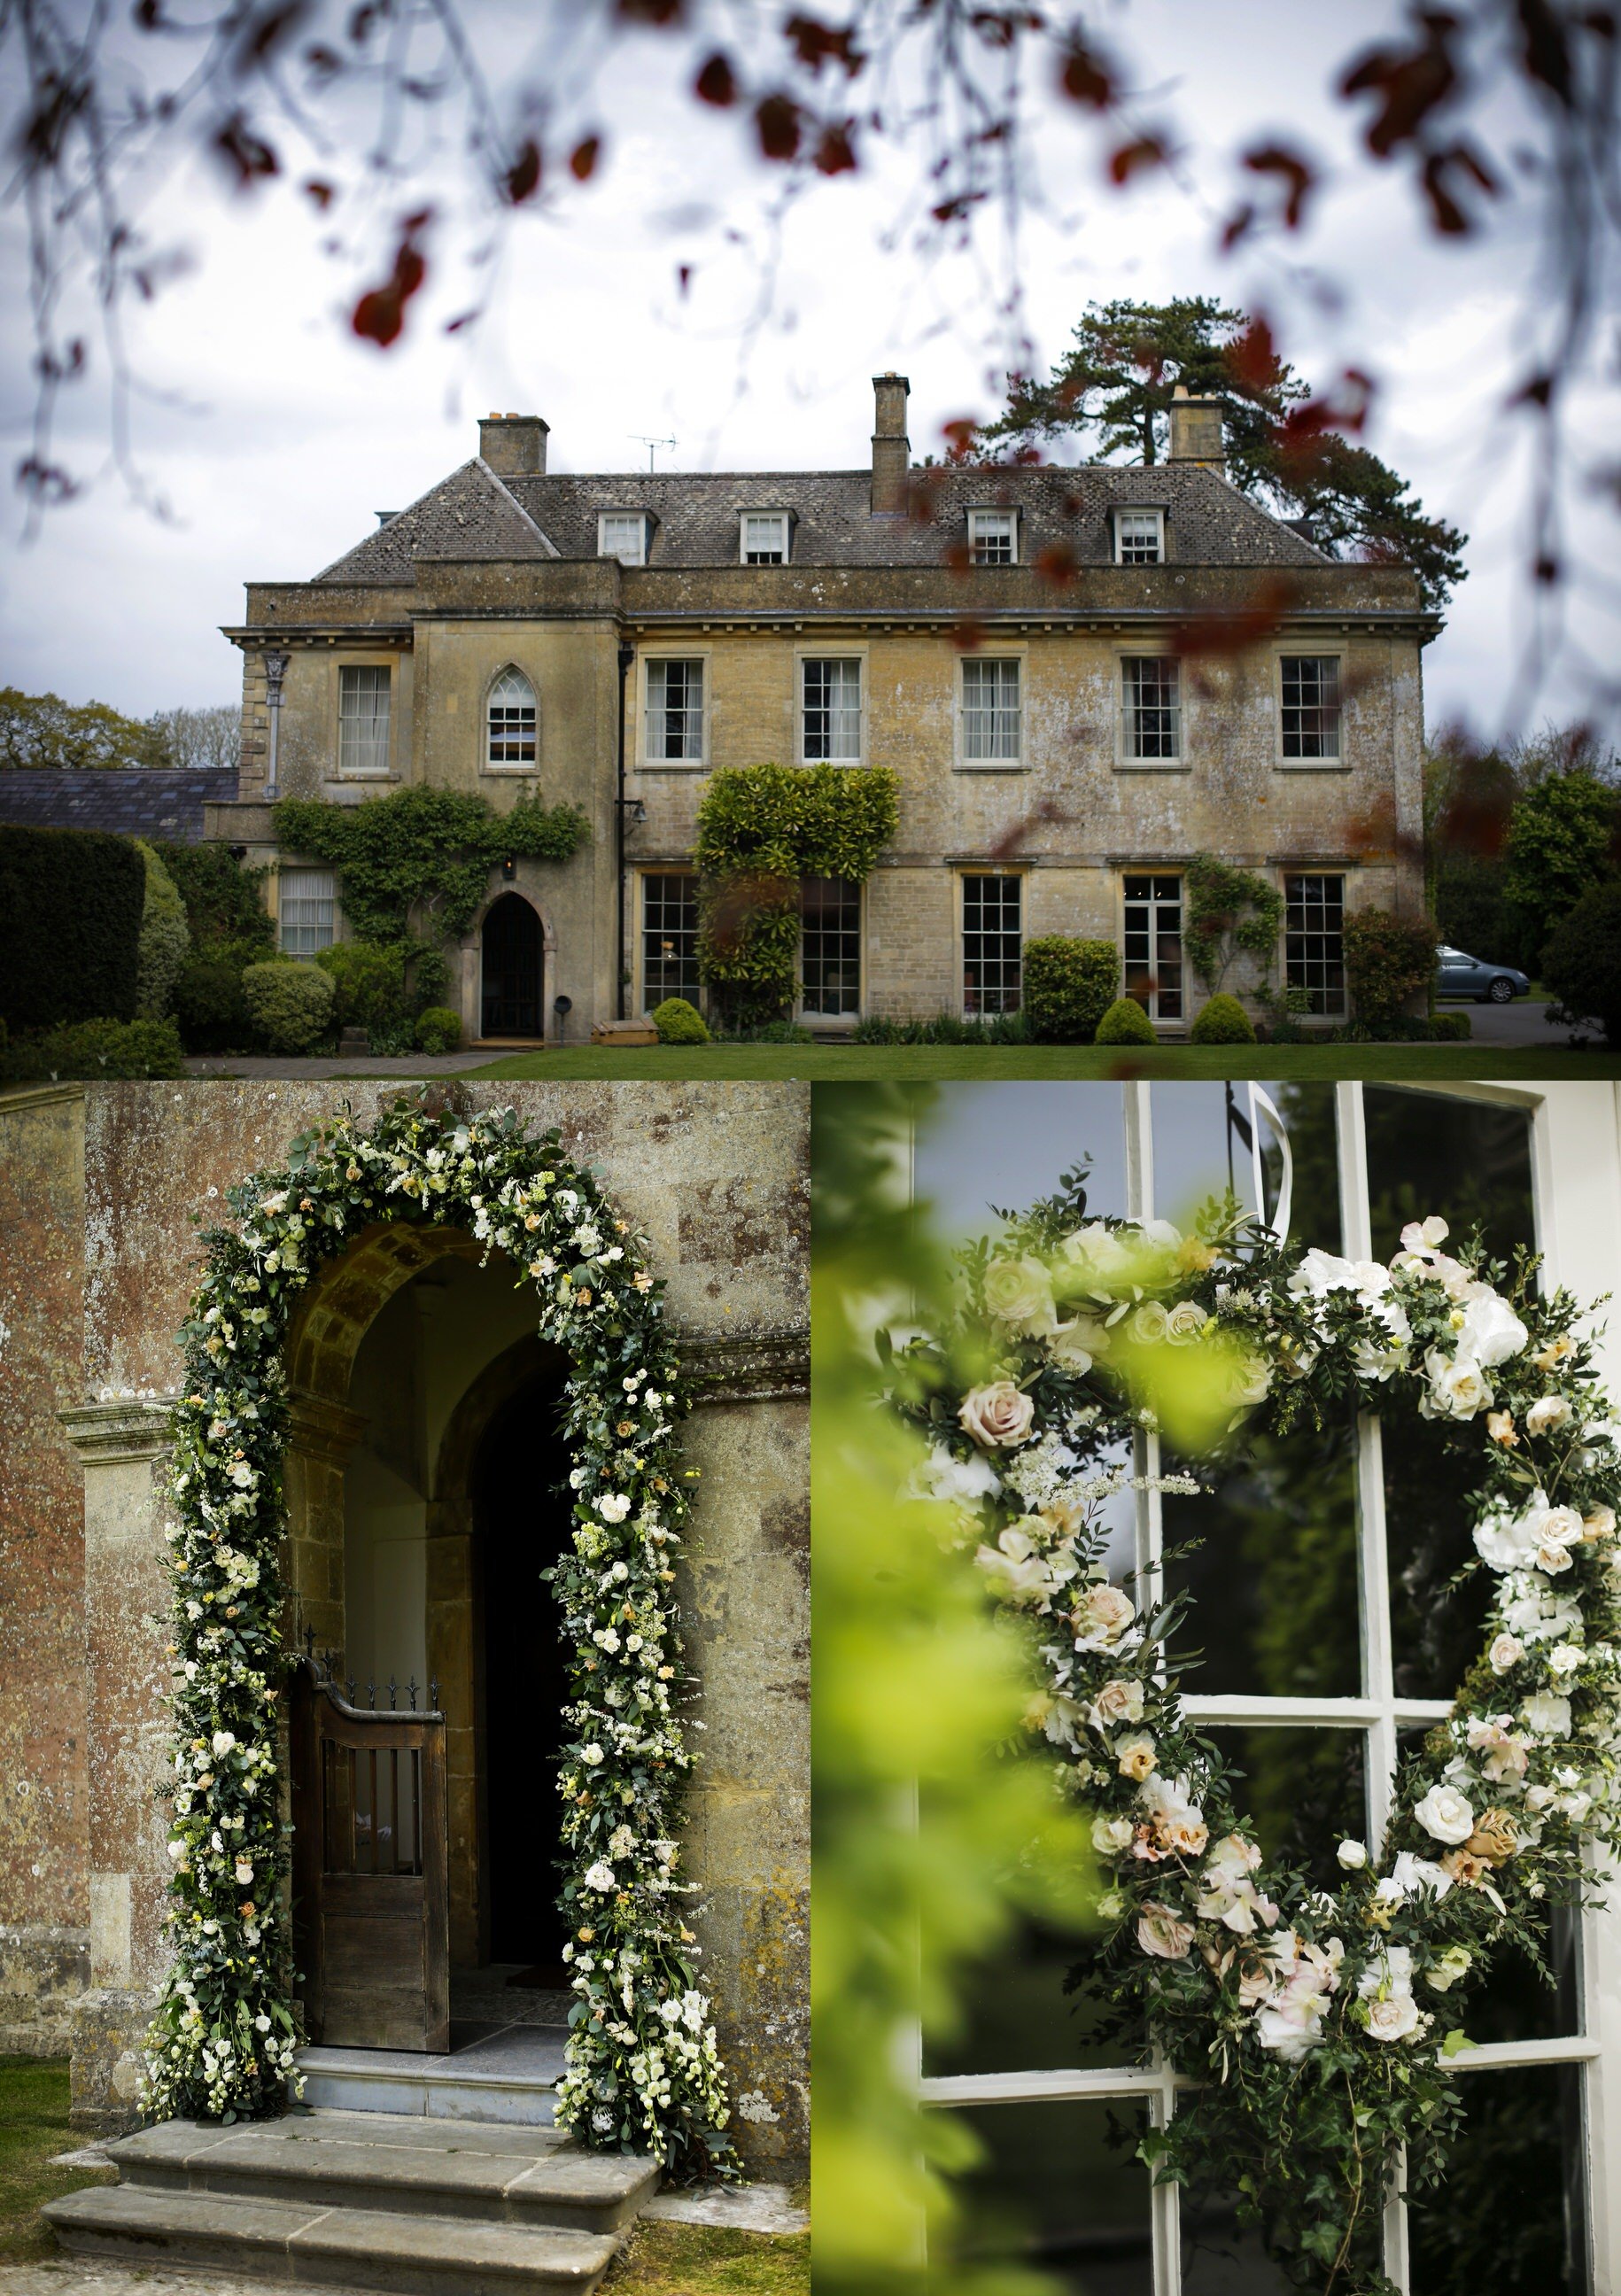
column 764, row 539
column 362, row 720
column 830, row 945
column 305, row 908
column 1313, row 941
column 832, row 711
column 511, row 720
column 991, row 536
column 1302, row 1791
column 624, row 538
column 1059, row 2190
column 675, row 710
column 1515, row 2003
column 669, row 940
column 1220, row 2258
column 990, row 709
column 1510, row 2218
column 1311, row 705
column 1153, row 706
column 992, row 945
column 1139, row 537
column 1197, row 1140
column 1009, row 1144
column 1152, row 949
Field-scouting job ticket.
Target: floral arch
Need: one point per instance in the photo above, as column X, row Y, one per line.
column 642, row 2067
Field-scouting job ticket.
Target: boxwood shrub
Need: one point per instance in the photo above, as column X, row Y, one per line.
column 1222, row 1019
column 438, row 1029
column 291, row 1003
column 1068, row 986
column 71, row 907
column 678, row 1023
column 1126, row 1023
column 1582, row 962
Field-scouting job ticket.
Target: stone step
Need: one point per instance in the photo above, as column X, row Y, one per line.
column 403, row 2164
column 504, row 2079
column 406, row 2254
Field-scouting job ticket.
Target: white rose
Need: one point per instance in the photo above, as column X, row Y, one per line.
column 1184, row 1323
column 613, row 1506
column 1019, row 1292
column 1491, row 1332
column 1393, row 2019
column 1092, row 1254
column 1507, row 1651
column 1116, row 1702
column 1078, row 1344
column 1505, row 1542
column 1444, row 1814
column 1548, row 1715
column 223, row 1741
column 1352, row 1855
column 1548, row 1412
column 1565, row 1658
column 601, row 1876
column 1458, row 1388
column 1101, row 1617
column 1111, row 1836
column 1148, row 1325
column 997, row 1417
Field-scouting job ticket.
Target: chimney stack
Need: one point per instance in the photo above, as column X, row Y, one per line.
column 514, row 445
column 891, row 447
column 1196, row 431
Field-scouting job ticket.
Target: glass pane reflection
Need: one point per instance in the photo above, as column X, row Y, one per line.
column 1008, row 1144
column 1200, row 1148
column 1019, row 2017
column 1220, row 2258
column 1059, row 2191
column 1301, row 1790
column 1511, row 2214
column 1467, row 1160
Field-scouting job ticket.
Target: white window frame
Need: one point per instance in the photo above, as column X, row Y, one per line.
column 1019, row 877
column 1155, row 902
column 1127, row 758
column 347, row 771
column 320, row 893
column 994, row 522
column 1576, row 1150
column 1017, row 762
column 784, row 522
column 492, row 765
column 810, row 1020
column 1333, row 1012
column 1329, row 763
column 1139, row 511
column 842, row 655
column 604, row 519
column 647, row 762
column 645, row 879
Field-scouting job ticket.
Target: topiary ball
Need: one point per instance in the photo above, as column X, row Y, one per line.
column 679, row 1022
column 1222, row 1020
column 438, row 1029
column 1126, row 1023
column 291, row 1003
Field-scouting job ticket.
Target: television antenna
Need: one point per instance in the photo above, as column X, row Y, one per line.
column 652, row 445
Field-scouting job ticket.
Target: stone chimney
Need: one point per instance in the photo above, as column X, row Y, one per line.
column 1196, row 430
column 891, row 447
column 514, row 445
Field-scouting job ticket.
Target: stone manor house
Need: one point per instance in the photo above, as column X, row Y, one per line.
column 1045, row 656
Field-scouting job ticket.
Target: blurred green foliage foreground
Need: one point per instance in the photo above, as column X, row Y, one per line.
column 920, row 1694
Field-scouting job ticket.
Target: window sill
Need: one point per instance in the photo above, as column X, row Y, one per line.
column 990, row 765
column 1311, row 766
column 512, row 772
column 1153, row 765
column 348, row 781
column 673, row 766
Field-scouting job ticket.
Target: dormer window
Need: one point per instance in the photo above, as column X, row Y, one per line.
column 993, row 537
column 622, row 534
column 763, row 538
column 1139, row 537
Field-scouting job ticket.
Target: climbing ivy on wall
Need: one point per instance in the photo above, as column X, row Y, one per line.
column 761, row 830
column 1230, row 911
column 423, row 850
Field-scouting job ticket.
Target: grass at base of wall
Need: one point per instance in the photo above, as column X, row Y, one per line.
column 676, row 2259
column 34, row 2124
column 980, row 1063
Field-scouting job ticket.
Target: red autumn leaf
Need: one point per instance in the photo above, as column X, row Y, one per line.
column 247, row 152
column 778, row 120
column 1298, row 177
column 835, row 153
column 959, row 436
column 660, row 13
column 1449, row 216
column 1238, row 227
column 1085, row 78
column 1252, row 359
column 522, row 178
column 967, row 635
column 815, row 43
column 1234, row 629
column 957, row 557
column 1409, row 82
column 1057, row 564
column 716, row 83
column 954, row 209
column 1130, row 160
column 321, row 194
column 583, row 158
column 380, row 316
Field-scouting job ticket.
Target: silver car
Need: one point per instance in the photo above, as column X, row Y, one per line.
column 1458, row 975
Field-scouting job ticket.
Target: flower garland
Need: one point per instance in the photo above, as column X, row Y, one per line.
column 1307, row 2019
column 642, row 2070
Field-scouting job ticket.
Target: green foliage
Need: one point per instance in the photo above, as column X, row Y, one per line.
column 1230, row 913
column 945, row 1028
column 369, row 982
column 208, row 1001
column 1115, row 387
column 95, row 1049
column 290, row 1005
column 767, row 1032
column 679, row 1022
column 1582, row 963
column 422, row 855
column 761, row 829
column 1450, row 1028
column 42, row 729
column 1126, row 1023
column 223, row 900
column 165, row 941
column 438, row 1029
column 1389, row 960
column 1222, row 1019
column 35, row 2129
column 1068, row 986
column 71, row 908
column 1562, row 837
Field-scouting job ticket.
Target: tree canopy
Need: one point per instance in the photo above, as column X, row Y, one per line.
column 42, row 729
column 1113, row 389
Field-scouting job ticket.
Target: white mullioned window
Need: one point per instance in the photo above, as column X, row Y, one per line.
column 1139, row 537
column 992, row 731
column 829, row 726
column 362, row 719
column 1152, row 943
column 830, row 949
column 1314, row 940
column 669, row 938
column 509, row 721
column 1311, row 705
column 763, row 537
column 622, row 534
column 306, row 907
column 993, row 945
column 1150, row 707
column 675, row 712
column 1316, row 1720
column 993, row 537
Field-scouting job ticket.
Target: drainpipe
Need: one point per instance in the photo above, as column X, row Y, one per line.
column 275, row 670
column 627, row 655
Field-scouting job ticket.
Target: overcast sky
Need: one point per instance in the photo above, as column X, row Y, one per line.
column 273, row 436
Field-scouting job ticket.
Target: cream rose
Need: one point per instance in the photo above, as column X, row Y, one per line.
column 1101, row 1617
column 1184, row 1323
column 1458, row 1387
column 1161, row 1932
column 1135, row 1755
column 1445, row 1815
column 1019, row 1292
column 1600, row 1523
column 1353, row 1855
column 1396, row 2018
column 1117, row 1701
column 1507, row 1651
column 1148, row 1325
column 997, row 1417
column 1547, row 1413
column 1111, row 1837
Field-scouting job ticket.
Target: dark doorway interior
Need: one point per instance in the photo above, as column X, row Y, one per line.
column 511, row 969
column 520, row 1519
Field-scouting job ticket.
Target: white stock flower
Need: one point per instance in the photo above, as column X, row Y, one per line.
column 1078, row 1344
column 1491, row 1331
column 1424, row 1234
column 1565, row 1658
column 1444, row 1814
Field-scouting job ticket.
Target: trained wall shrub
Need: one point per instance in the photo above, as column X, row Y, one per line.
column 1068, row 986
column 290, row 1005
column 369, row 982
column 1582, row 963
column 678, row 1023
column 1389, row 961
column 71, row 907
column 1126, row 1023
column 438, row 1029
column 1222, row 1020
column 95, row 1049
column 165, row 941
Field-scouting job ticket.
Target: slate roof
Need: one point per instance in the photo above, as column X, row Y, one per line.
column 164, row 801
column 473, row 515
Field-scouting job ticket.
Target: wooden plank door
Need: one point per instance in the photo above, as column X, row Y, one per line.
column 371, row 1871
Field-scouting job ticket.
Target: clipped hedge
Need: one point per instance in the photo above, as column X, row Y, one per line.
column 438, row 1029
column 1126, row 1023
column 165, row 942
column 223, row 900
column 71, row 902
column 291, row 1003
column 95, row 1049
column 678, row 1023
column 1582, row 963
column 1222, row 1020
column 1068, row 986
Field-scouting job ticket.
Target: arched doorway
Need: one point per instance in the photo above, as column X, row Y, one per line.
column 511, row 970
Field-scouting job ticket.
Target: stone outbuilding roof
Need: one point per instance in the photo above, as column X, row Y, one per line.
column 160, row 801
column 475, row 515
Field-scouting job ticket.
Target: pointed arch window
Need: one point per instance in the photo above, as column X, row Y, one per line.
column 512, row 713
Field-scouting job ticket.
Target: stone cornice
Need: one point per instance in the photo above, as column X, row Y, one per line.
column 747, row 1368
column 129, row 1427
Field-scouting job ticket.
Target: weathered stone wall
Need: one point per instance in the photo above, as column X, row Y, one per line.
column 45, row 1898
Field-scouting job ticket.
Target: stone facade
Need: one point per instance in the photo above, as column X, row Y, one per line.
column 898, row 575
column 99, row 1254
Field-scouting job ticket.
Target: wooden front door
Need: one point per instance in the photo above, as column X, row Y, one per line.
column 370, row 1871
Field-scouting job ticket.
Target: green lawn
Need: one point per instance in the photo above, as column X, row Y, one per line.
column 34, row 2125
column 835, row 1063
